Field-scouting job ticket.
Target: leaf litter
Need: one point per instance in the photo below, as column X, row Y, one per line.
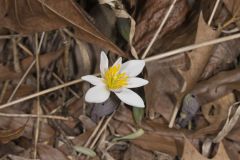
column 192, row 99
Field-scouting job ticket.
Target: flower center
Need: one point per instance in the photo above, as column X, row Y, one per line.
column 115, row 80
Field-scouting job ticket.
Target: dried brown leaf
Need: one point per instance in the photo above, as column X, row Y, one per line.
column 154, row 142
column 218, row 109
column 151, row 17
column 190, row 152
column 199, row 57
column 47, row 152
column 224, row 55
column 11, row 134
column 7, row 73
column 217, row 86
column 44, row 59
column 233, row 7
column 136, row 153
column 22, row 91
column 215, row 113
column 46, row 133
column 37, row 16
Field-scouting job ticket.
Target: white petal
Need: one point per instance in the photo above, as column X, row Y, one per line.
column 136, row 82
column 131, row 98
column 118, row 61
column 97, row 94
column 103, row 63
column 133, row 67
column 93, row 80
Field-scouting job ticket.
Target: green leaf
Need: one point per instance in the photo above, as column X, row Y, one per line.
column 84, row 150
column 138, row 114
column 131, row 136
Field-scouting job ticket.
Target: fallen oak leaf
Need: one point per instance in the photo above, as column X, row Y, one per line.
column 191, row 152
column 198, row 61
column 199, row 57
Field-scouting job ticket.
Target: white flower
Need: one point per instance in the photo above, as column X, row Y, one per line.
column 118, row 79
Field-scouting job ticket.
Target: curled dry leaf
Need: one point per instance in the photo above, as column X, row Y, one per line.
column 217, row 86
column 38, row 16
column 12, row 123
column 11, row 134
column 151, row 17
column 224, row 55
column 191, row 152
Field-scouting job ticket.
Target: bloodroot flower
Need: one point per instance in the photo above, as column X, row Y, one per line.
column 117, row 79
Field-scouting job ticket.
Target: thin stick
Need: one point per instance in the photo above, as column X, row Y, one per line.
column 149, row 59
column 61, row 81
column 37, row 129
column 42, row 93
column 21, row 81
column 67, row 103
column 94, row 133
column 101, row 131
column 4, row 90
column 24, row 48
column 34, row 116
column 213, row 12
column 13, row 36
column 159, row 29
column 17, row 67
column 192, row 47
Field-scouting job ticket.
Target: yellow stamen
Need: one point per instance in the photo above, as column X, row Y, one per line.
column 115, row 80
